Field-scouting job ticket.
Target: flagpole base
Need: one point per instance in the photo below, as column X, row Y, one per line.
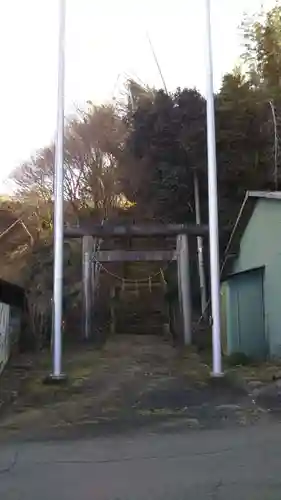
column 52, row 379
column 217, row 375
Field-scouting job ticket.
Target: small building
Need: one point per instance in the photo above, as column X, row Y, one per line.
column 12, row 300
column 251, row 279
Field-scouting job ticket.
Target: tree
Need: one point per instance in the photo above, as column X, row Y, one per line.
column 167, row 144
column 137, row 95
column 241, row 138
column 91, row 142
column 165, row 137
column 152, row 146
column 262, row 55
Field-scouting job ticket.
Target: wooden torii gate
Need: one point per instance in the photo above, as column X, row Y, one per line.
column 181, row 254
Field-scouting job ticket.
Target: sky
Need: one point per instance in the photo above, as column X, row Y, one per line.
column 105, row 42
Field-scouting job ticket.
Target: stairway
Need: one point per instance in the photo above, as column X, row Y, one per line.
column 140, row 305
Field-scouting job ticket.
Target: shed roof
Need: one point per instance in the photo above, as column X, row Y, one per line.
column 241, row 223
column 11, row 294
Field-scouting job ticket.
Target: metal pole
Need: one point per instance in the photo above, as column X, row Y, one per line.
column 58, row 203
column 157, row 64
column 275, row 145
column 201, row 267
column 213, row 201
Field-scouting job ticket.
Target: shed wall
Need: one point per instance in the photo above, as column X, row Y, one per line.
column 246, row 328
column 261, row 246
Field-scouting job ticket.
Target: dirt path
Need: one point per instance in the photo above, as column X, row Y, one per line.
column 132, row 381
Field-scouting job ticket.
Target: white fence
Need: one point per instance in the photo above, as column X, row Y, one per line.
column 9, row 330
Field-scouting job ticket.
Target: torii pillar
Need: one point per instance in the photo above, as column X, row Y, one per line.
column 184, row 291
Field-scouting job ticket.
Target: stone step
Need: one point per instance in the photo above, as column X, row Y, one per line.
column 134, row 318
column 149, row 310
column 140, row 329
column 135, row 322
column 136, row 300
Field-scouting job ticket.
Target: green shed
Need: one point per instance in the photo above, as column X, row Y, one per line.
column 251, row 279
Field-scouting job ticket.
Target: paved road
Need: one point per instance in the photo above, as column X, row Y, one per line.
column 228, row 464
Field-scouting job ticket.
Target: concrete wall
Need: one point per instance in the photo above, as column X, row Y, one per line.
column 261, row 246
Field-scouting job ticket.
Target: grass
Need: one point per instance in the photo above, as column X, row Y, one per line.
column 25, row 378
column 190, row 364
column 264, row 372
column 106, row 382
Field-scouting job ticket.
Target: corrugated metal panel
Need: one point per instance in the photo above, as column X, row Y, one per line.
column 224, row 309
column 246, row 326
column 4, row 334
column 260, row 246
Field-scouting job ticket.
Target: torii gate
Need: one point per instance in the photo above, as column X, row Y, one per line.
column 181, row 231
column 57, row 374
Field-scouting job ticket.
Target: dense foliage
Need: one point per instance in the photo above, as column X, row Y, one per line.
column 149, row 148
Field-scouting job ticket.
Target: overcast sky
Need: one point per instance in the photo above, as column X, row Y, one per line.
column 105, row 41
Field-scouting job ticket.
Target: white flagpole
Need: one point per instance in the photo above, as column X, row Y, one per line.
column 213, row 201
column 58, row 204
